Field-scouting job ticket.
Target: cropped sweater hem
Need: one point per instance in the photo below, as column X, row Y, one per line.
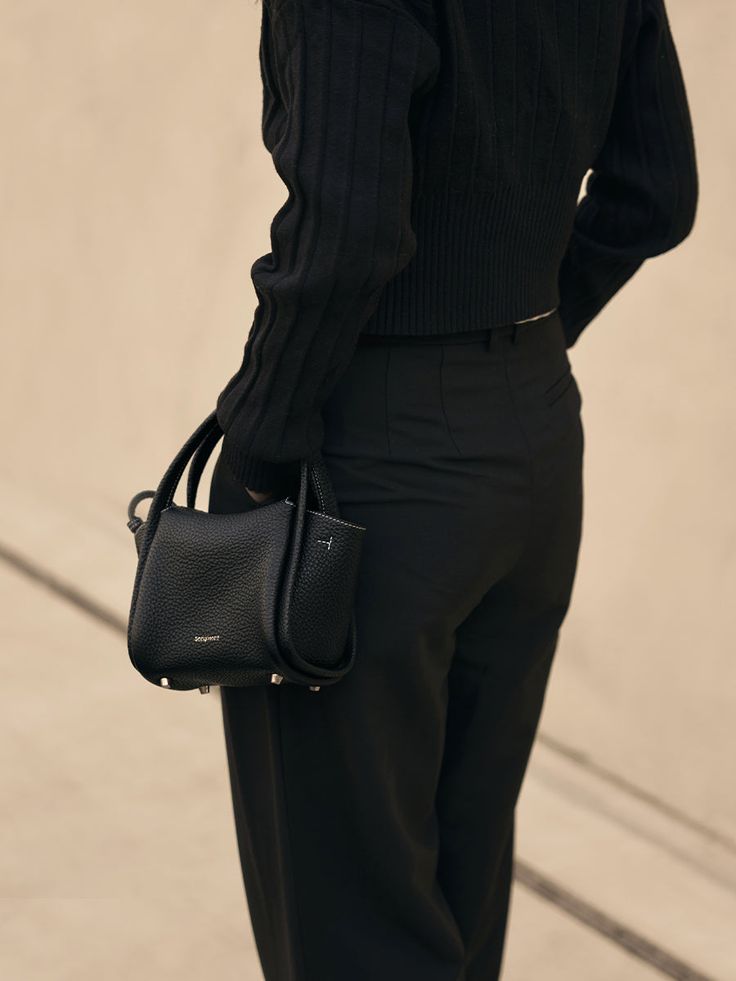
column 482, row 259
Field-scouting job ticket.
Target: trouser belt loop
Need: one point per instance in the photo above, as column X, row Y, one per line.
column 514, row 331
column 489, row 338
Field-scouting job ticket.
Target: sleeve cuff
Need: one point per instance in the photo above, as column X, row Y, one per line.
column 259, row 475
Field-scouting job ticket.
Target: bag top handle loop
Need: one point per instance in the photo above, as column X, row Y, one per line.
column 198, row 449
column 199, row 462
column 318, row 475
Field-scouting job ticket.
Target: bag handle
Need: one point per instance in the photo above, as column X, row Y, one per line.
column 318, row 475
column 198, row 449
column 163, row 496
column 299, row 670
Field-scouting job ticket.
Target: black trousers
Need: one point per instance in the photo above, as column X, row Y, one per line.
column 375, row 818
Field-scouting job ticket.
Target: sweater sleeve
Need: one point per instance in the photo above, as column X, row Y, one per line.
column 641, row 197
column 339, row 78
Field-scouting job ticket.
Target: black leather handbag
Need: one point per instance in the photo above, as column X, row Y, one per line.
column 261, row 596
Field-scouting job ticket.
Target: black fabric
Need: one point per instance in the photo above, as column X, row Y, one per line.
column 434, row 151
column 375, row 819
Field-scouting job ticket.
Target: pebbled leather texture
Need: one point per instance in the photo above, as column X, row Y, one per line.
column 210, row 575
column 227, row 597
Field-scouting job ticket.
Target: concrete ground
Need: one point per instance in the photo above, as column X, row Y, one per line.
column 134, row 196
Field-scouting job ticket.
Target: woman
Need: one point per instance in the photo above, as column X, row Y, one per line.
column 429, row 272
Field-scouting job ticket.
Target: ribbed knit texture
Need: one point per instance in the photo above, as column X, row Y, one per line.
column 433, row 151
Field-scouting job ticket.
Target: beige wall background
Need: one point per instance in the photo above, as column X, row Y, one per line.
column 135, row 194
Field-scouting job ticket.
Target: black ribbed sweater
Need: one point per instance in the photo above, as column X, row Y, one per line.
column 434, row 153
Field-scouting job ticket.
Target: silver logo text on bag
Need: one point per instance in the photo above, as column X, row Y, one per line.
column 204, row 638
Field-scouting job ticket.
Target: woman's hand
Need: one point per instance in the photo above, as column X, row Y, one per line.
column 259, row 496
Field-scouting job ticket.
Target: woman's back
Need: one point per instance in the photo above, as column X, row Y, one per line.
column 524, row 92
column 529, row 95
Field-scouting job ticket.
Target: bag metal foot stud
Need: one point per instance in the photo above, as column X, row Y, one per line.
column 276, row 679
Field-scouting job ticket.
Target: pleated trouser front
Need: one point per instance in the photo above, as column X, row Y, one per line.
column 375, row 818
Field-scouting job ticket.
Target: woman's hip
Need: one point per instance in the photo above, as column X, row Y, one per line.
column 478, row 441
